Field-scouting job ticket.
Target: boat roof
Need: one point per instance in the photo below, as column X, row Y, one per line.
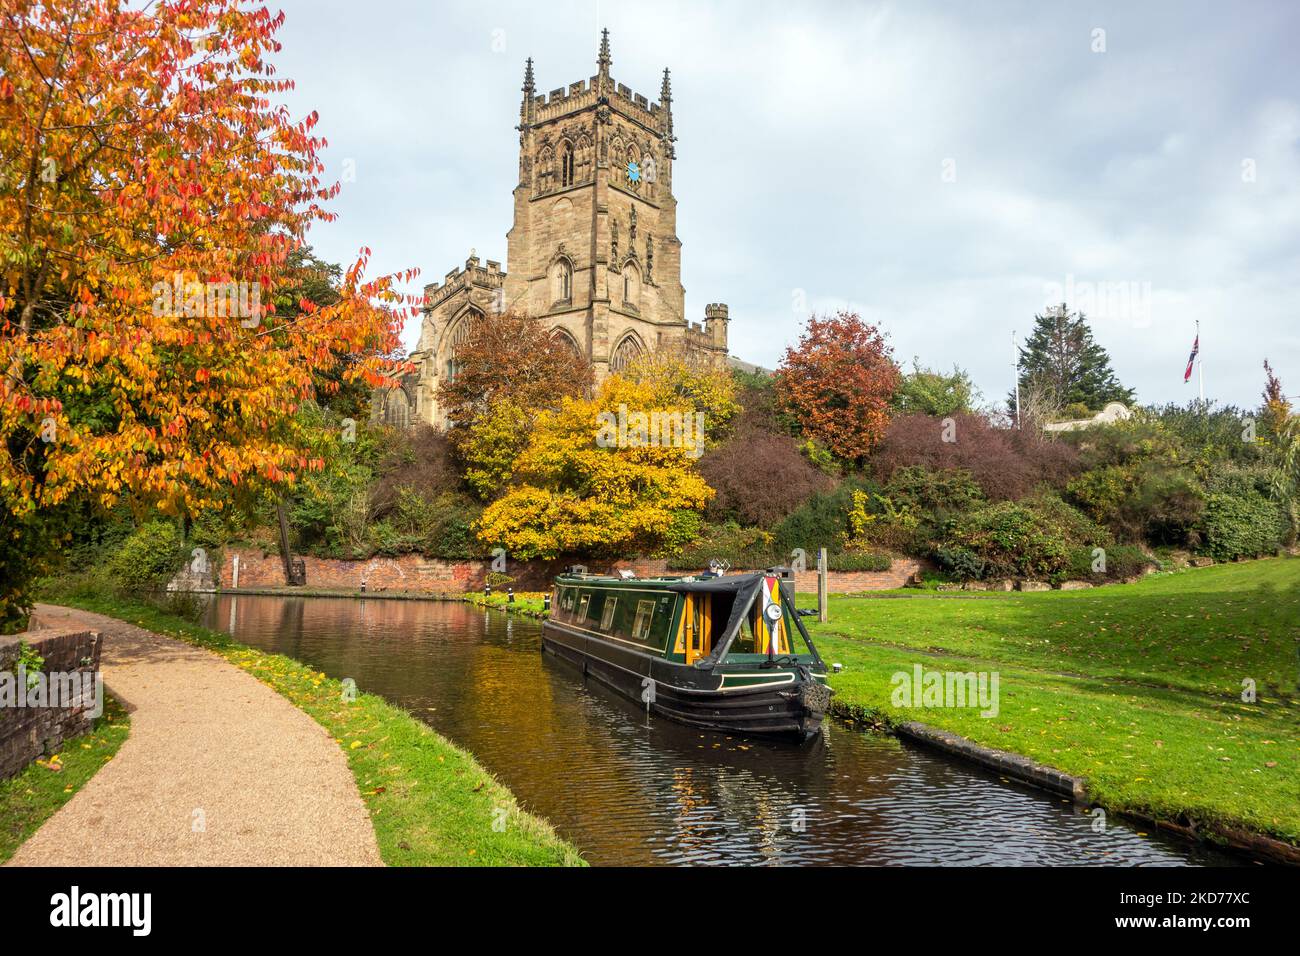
column 688, row 582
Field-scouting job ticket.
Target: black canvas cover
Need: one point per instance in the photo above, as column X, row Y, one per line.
column 745, row 588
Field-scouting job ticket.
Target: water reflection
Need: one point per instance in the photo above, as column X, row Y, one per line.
column 630, row 789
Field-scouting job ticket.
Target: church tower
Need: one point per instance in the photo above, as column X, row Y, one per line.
column 593, row 251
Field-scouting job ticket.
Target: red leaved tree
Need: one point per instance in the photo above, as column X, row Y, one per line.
column 837, row 383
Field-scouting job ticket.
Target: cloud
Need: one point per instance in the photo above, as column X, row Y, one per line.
column 812, row 147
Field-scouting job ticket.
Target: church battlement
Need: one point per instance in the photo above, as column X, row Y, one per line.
column 582, row 94
column 490, row 276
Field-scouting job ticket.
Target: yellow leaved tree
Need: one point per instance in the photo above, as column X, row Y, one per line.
column 615, row 474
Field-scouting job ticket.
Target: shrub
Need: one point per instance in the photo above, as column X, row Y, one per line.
column 960, row 563
column 1242, row 525
column 856, row 561
column 760, row 477
column 740, row 547
column 1207, row 436
column 1006, row 463
column 876, row 519
column 419, row 459
column 1119, row 561
column 1035, row 539
column 1141, row 500
column 437, row 527
column 820, row 522
column 938, row 493
column 150, row 557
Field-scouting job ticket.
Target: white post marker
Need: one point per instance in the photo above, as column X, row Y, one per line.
column 823, row 610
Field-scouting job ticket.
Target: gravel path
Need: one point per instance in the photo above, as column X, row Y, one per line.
column 218, row 770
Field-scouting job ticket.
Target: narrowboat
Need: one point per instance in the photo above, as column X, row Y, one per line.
column 722, row 652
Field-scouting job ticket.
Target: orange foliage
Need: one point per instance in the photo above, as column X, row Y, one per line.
column 838, row 382
column 147, row 161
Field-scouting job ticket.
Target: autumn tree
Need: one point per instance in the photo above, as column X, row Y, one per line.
column 1062, row 364
column 512, row 357
column 1276, row 410
column 152, row 193
column 597, row 478
column 838, row 382
column 508, row 368
column 690, row 382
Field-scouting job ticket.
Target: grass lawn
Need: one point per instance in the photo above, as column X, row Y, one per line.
column 430, row 802
column 31, row 797
column 531, row 603
column 1136, row 687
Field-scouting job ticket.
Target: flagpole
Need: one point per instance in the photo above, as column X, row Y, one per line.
column 1200, row 362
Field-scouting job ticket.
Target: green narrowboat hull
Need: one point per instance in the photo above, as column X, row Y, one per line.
column 785, row 697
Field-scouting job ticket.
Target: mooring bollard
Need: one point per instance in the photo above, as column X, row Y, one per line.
column 546, row 602
column 487, row 589
column 510, row 595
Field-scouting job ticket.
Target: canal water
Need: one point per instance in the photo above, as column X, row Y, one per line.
column 628, row 789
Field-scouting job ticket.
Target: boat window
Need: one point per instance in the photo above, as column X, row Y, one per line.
column 645, row 612
column 582, row 607
column 607, row 613
column 566, row 602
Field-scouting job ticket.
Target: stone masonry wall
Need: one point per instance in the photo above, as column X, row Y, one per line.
column 416, row 574
column 28, row 732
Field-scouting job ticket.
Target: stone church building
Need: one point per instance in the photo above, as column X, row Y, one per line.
column 593, row 250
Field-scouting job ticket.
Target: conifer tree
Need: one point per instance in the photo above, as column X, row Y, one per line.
column 1060, row 359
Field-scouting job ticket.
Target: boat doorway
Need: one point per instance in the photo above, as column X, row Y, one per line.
column 695, row 636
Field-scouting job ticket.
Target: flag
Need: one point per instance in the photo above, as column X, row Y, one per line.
column 1191, row 359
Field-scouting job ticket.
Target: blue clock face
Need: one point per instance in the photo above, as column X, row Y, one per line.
column 633, row 172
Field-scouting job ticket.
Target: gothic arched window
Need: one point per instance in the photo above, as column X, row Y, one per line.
column 562, row 280
column 628, row 350
column 566, row 337
column 566, row 164
column 458, row 336
column 397, row 409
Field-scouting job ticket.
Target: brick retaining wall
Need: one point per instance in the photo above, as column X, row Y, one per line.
column 413, row 573
column 28, row 732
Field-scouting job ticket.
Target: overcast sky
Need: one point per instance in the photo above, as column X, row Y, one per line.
column 943, row 169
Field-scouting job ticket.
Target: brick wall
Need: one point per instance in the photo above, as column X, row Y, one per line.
column 28, row 732
column 412, row 573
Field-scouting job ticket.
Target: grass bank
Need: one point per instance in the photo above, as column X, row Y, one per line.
column 1138, row 688
column 430, row 802
column 31, row 797
column 530, row 603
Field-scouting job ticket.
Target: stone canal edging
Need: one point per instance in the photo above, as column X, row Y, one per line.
column 1001, row 761
column 1024, row 770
